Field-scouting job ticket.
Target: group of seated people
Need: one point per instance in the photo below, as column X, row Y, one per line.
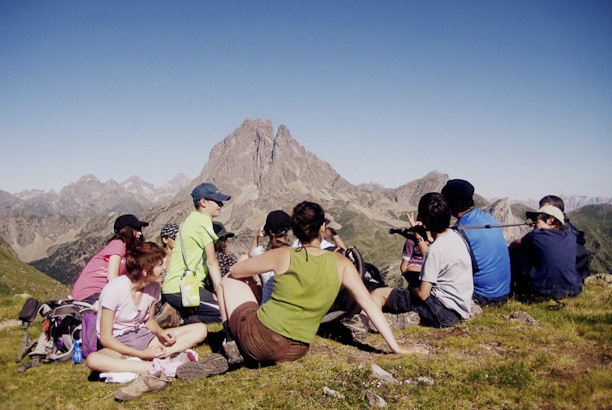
column 271, row 301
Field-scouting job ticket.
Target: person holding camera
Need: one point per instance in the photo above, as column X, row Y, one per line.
column 444, row 295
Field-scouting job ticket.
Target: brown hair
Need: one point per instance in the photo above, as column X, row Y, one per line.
column 306, row 221
column 144, row 257
column 126, row 235
column 554, row 201
column 557, row 224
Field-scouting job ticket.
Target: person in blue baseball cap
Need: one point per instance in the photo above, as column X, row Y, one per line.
column 198, row 238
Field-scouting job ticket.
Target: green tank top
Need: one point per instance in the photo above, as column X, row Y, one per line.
column 302, row 295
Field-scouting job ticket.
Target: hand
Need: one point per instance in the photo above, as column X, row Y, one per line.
column 420, row 231
column 167, row 337
column 260, row 233
column 153, row 352
column 412, row 349
column 411, row 219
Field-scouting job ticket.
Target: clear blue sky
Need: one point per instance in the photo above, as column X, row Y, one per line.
column 514, row 96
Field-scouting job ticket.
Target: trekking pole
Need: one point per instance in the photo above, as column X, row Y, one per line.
column 528, row 222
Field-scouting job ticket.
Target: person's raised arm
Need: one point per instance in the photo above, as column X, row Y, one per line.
column 255, row 241
column 352, row 281
column 276, row 260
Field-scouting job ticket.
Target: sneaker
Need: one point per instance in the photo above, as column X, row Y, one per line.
column 144, row 384
column 168, row 316
column 358, row 327
column 232, row 352
column 213, row 365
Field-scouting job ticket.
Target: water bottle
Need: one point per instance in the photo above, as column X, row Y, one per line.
column 77, row 353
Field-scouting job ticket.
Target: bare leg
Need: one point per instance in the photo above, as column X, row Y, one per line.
column 107, row 360
column 186, row 337
column 380, row 296
column 234, row 293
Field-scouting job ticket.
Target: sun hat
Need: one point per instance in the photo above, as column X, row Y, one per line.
column 221, row 232
column 208, row 191
column 547, row 210
column 330, row 222
column 169, row 231
column 128, row 220
column 277, row 221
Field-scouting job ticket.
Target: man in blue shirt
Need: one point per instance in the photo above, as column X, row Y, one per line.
column 491, row 260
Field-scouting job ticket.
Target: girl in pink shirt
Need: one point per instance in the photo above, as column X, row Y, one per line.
column 110, row 261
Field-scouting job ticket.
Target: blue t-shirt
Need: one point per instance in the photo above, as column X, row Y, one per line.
column 491, row 254
column 552, row 255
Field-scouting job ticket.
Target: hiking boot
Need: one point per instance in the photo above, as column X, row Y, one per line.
column 358, row 327
column 232, row 352
column 168, row 316
column 402, row 320
column 144, row 384
column 213, row 365
column 170, row 364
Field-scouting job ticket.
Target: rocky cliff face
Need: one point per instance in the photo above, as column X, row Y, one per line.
column 262, row 171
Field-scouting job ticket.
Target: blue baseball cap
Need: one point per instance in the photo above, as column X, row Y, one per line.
column 208, row 191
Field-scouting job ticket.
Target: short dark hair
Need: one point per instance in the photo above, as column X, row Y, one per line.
column 434, row 212
column 554, row 201
column 459, row 195
column 143, row 257
column 306, row 220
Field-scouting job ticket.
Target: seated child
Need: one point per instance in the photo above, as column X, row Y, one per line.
column 277, row 227
column 544, row 260
column 444, row 296
column 126, row 324
column 412, row 257
column 582, row 254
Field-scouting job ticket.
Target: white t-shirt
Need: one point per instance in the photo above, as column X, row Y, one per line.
column 324, row 244
column 116, row 296
column 267, row 279
column 448, row 266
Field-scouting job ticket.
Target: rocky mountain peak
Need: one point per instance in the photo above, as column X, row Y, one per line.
column 254, row 160
column 409, row 194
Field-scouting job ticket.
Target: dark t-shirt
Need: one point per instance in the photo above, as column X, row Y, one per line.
column 552, row 255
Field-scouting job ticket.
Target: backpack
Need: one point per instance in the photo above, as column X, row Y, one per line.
column 61, row 327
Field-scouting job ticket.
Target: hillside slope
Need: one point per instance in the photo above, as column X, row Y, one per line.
column 17, row 277
column 596, row 222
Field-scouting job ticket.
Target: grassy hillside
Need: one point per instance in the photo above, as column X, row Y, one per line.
column 596, row 222
column 563, row 362
column 17, row 277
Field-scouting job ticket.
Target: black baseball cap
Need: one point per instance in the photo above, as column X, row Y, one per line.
column 128, row 220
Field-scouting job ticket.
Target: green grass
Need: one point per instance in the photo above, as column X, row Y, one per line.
column 487, row 363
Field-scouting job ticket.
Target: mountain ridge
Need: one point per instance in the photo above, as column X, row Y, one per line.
column 262, row 171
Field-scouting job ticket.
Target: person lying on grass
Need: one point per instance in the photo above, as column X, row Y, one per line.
column 126, row 324
column 306, row 282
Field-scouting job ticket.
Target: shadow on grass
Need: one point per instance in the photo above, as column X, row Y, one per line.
column 339, row 333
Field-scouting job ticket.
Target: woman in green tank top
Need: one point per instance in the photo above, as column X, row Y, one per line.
column 306, row 284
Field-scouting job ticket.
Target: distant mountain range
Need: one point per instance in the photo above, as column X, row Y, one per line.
column 35, row 221
column 261, row 170
column 572, row 202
